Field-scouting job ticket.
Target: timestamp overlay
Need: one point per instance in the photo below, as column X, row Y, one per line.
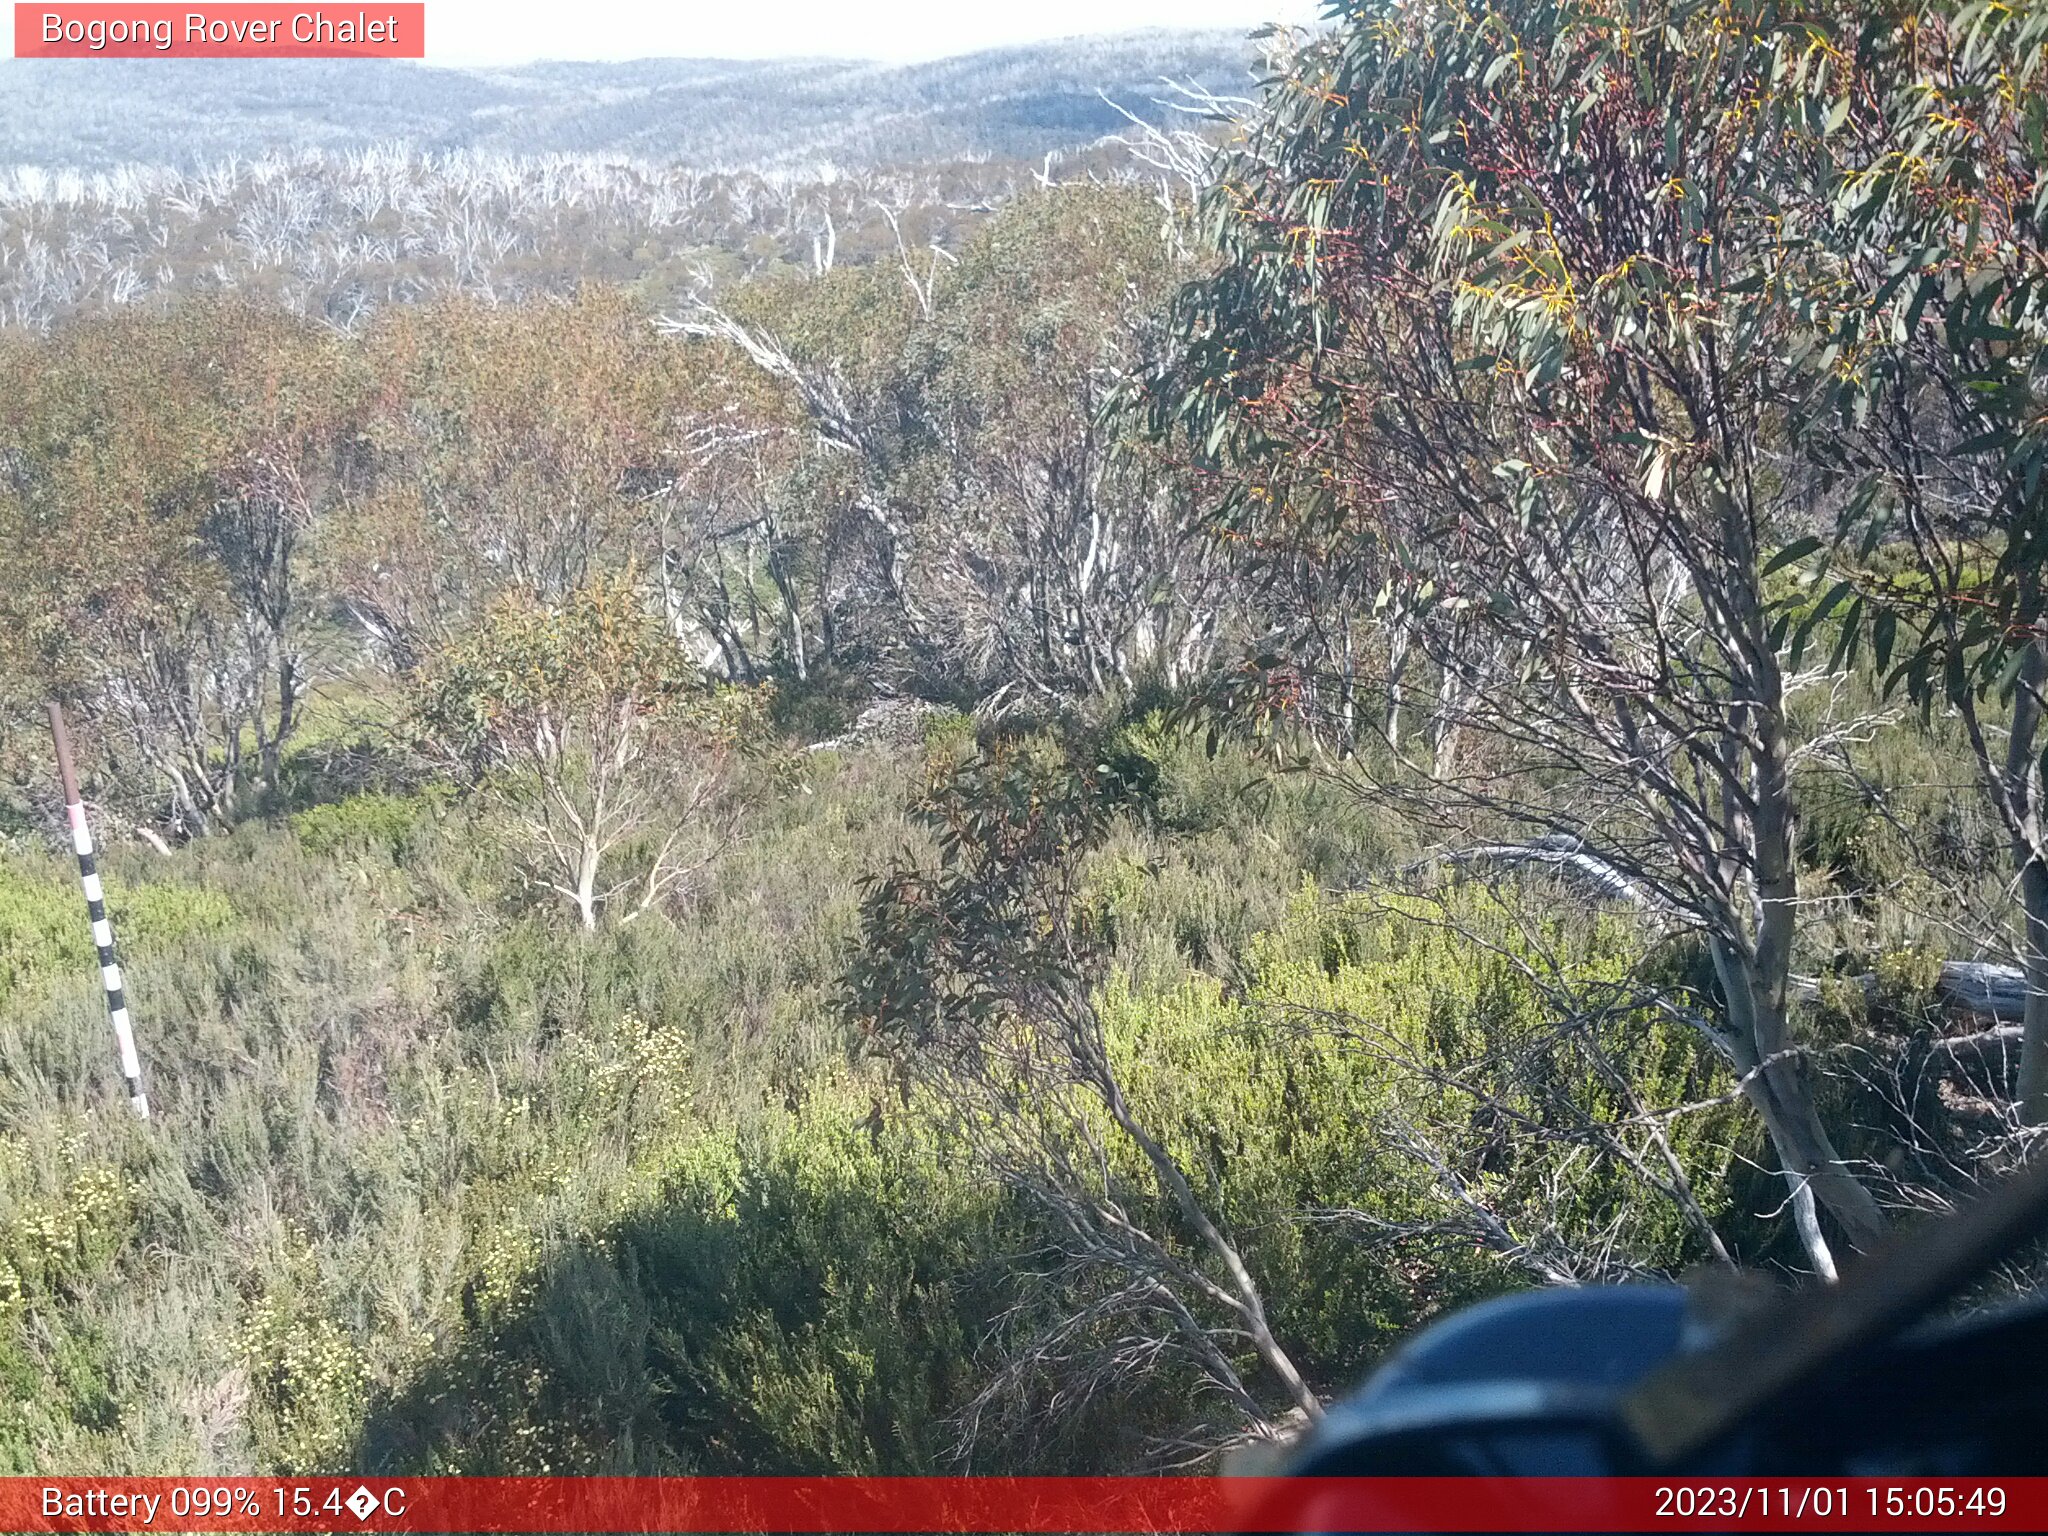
column 1019, row 1504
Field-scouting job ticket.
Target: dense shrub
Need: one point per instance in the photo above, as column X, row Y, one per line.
column 438, row 1183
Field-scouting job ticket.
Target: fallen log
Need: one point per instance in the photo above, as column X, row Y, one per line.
column 1973, row 987
column 1977, row 986
column 1563, row 854
column 2000, row 1038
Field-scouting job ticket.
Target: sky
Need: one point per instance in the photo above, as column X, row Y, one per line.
column 470, row 32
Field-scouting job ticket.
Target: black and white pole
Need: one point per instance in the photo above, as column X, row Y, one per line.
column 96, row 907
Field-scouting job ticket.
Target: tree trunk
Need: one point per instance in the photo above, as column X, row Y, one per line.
column 196, row 822
column 1757, row 985
column 792, row 606
column 586, row 888
column 1397, row 678
column 2032, row 1089
column 287, row 720
column 2023, row 819
column 1252, row 1308
column 1774, row 1082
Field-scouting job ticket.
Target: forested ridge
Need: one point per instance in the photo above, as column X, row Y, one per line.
column 869, row 829
column 801, row 116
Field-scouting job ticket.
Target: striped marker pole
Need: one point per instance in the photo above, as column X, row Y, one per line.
column 96, row 906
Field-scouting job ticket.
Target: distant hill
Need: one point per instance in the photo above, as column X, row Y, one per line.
column 798, row 116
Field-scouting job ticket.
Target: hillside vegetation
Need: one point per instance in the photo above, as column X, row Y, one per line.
column 804, row 116
column 1015, row 838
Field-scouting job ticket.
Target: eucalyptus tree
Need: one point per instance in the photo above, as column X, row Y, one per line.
column 1927, row 362
column 162, row 476
column 611, row 758
column 979, row 976
column 758, row 550
column 830, row 347
column 511, row 449
column 997, row 508
column 1499, row 337
column 1063, row 547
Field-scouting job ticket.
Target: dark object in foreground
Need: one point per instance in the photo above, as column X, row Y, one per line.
column 1618, row 1381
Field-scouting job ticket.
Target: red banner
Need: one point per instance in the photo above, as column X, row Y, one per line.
column 1187, row 1505
column 236, row 31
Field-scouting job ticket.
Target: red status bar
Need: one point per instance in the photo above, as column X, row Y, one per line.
column 233, row 31
column 1020, row 1504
